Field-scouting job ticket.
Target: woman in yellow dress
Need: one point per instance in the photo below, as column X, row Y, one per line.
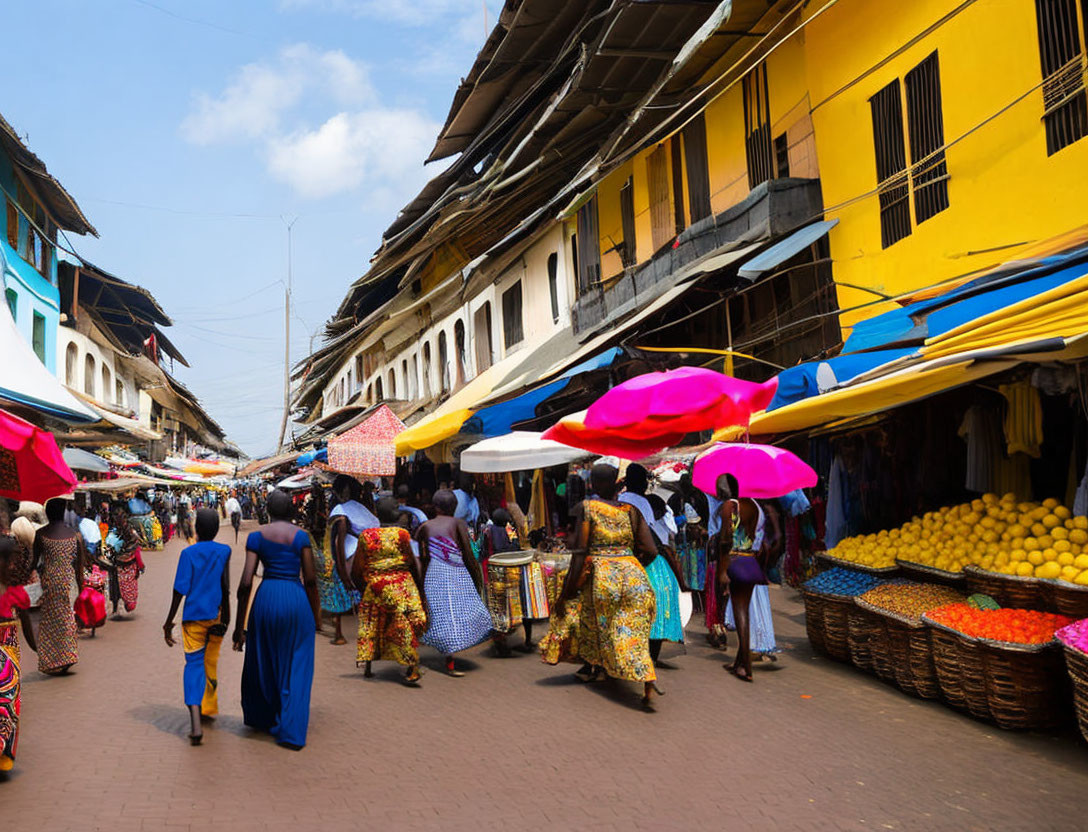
column 605, row 611
column 392, row 612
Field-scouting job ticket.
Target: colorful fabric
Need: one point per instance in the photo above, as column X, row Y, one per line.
column 693, row 564
column 336, row 599
column 201, row 678
column 459, row 620
column 760, row 624
column 667, row 625
column 57, row 648
column 744, row 568
column 391, row 616
column 149, row 528
column 359, row 518
column 609, row 623
column 126, row 585
column 368, row 448
column 534, row 592
column 10, row 699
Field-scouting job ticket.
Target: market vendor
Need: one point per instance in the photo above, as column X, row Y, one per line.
column 516, row 593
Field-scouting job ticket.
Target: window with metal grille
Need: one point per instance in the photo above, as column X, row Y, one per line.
column 698, row 173
column 589, row 254
column 661, row 220
column 511, row 316
column 782, row 157
column 891, row 164
column 677, row 184
column 925, row 123
column 553, row 284
column 628, row 251
column 757, row 126
column 1061, row 54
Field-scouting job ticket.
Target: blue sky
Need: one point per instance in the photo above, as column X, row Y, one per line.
column 188, row 130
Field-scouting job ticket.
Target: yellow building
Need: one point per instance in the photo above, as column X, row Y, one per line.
column 945, row 137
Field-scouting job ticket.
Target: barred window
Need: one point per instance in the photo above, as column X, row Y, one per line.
column 929, row 171
column 891, row 164
column 757, row 126
column 1061, row 56
column 628, row 252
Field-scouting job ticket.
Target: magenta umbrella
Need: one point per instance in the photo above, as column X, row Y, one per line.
column 762, row 471
column 31, row 465
column 678, row 402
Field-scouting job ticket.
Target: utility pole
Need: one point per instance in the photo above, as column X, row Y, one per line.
column 286, row 341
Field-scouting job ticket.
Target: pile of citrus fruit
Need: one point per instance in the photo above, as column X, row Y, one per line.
column 1008, row 625
column 997, row 534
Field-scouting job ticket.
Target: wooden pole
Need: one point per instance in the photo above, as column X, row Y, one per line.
column 286, row 342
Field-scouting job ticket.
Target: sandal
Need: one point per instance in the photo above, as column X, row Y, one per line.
column 412, row 681
column 195, row 739
column 743, row 675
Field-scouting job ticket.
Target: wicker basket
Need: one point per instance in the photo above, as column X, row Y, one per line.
column 863, row 628
column 1076, row 663
column 1018, row 686
column 948, row 662
column 1008, row 590
column 902, row 653
column 827, row 561
column 930, row 574
column 826, row 623
column 1066, row 598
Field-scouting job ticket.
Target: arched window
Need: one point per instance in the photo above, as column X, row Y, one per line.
column 120, row 399
column 369, row 393
column 88, row 375
column 415, row 376
column 427, row 370
column 343, row 391
column 553, row 284
column 392, row 383
column 378, row 390
column 443, row 363
column 107, row 383
column 459, row 349
column 408, row 394
column 71, row 364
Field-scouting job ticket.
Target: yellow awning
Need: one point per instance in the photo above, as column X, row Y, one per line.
column 870, row 397
column 430, row 431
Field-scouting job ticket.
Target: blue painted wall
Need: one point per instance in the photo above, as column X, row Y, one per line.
column 33, row 292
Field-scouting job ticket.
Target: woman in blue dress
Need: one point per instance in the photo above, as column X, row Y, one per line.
column 279, row 664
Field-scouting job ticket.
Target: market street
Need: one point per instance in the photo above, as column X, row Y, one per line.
column 519, row 744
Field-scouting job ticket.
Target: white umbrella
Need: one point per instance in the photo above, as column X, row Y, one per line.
column 81, row 460
column 521, row 450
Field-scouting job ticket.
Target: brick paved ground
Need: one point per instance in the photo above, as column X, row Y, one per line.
column 517, row 744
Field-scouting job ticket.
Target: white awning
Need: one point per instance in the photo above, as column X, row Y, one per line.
column 24, row 379
column 518, row 451
column 130, row 426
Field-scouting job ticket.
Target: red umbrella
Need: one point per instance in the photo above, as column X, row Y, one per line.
column 31, row 465
column 762, row 471
column 572, row 430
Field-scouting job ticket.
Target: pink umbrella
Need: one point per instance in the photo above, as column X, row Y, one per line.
column 31, row 465
column 677, row 402
column 762, row 471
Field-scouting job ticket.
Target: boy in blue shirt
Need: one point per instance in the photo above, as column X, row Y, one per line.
column 202, row 579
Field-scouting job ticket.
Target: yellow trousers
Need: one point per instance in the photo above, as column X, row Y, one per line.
column 201, row 662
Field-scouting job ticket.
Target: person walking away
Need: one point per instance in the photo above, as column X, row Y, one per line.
column 738, row 570
column 762, row 642
column 468, row 507
column 185, row 518
column 123, row 541
column 278, row 671
column 234, row 512
column 59, row 557
column 14, row 611
column 664, row 571
column 91, row 609
column 605, row 611
column 515, row 594
column 453, row 583
column 404, row 500
column 392, row 610
column 202, row 580
column 349, row 519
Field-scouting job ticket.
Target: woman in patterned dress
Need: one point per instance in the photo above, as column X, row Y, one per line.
column 605, row 611
column 127, row 564
column 59, row 554
column 458, row 618
column 392, row 612
column 14, row 606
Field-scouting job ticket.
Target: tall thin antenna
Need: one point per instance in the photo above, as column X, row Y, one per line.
column 286, row 341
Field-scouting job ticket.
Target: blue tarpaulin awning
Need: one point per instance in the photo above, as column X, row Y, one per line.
column 499, row 419
column 783, row 250
column 815, row 377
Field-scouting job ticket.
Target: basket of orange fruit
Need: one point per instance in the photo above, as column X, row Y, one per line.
column 1003, row 664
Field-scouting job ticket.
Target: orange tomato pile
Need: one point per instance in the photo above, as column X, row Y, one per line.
column 1008, row 625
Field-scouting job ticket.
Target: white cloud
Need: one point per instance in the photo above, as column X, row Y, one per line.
column 372, row 146
column 275, row 106
column 252, row 105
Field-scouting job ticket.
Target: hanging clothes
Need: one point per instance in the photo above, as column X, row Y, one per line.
column 1023, row 418
column 837, row 524
column 981, row 431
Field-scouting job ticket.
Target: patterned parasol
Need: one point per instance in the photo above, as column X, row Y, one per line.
column 31, row 465
column 368, row 448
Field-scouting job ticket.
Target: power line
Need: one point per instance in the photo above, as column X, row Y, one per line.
column 194, row 21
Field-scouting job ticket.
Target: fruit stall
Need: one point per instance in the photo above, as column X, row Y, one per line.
column 983, row 606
